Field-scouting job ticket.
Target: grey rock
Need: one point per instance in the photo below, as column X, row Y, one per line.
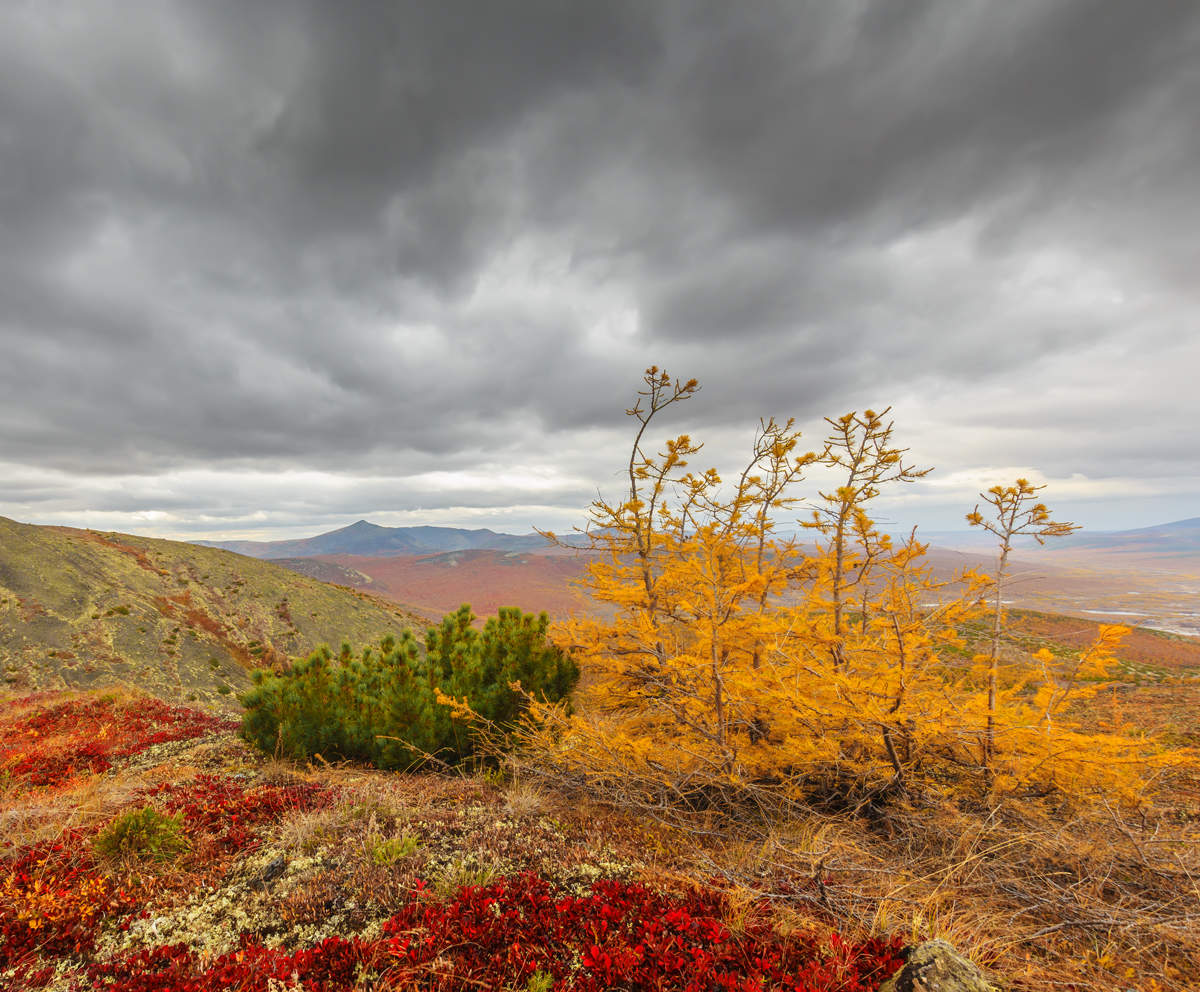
column 273, row 871
column 935, row 966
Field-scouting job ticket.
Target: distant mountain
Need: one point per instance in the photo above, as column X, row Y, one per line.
column 80, row 608
column 1180, row 537
column 975, row 540
column 371, row 540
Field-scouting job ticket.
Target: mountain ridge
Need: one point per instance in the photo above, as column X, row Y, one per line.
column 1173, row 537
column 374, row 540
column 371, row 540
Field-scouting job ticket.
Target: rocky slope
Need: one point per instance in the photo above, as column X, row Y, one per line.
column 81, row 608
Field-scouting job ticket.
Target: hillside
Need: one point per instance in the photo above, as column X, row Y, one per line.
column 345, row 878
column 338, row 876
column 1149, row 590
column 440, row 583
column 320, row 877
column 1179, row 537
column 368, row 539
column 80, row 609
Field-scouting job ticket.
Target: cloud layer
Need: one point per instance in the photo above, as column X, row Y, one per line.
column 267, row 268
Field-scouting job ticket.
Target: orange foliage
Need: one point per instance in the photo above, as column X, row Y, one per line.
column 735, row 656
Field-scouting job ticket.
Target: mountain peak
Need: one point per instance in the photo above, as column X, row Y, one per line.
column 367, row 539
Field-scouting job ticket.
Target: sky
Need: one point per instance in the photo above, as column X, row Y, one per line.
column 268, row 268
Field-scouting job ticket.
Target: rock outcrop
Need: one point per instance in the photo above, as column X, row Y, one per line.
column 935, row 966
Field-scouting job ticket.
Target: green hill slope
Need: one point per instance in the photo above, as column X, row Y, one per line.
column 81, row 608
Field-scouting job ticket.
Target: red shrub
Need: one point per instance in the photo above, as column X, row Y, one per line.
column 54, row 765
column 50, row 745
column 225, row 815
column 53, row 898
column 498, row 936
column 332, row 965
column 620, row 935
column 27, row 976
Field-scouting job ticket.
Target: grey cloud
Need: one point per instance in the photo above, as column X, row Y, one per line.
column 946, row 105
column 378, row 239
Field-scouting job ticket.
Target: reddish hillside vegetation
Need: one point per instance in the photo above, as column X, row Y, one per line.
column 172, row 858
column 485, row 579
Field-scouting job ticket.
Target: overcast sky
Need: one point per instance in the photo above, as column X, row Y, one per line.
column 268, row 267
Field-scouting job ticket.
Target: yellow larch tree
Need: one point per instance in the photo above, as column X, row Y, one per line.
column 692, row 580
column 1017, row 513
column 858, row 446
column 723, row 657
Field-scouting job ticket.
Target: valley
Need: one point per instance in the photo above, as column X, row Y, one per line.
column 83, row 608
column 1153, row 593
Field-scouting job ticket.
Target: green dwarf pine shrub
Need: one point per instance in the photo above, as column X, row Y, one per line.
column 382, row 706
column 143, row 833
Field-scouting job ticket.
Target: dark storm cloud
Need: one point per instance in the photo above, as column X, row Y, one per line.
column 382, row 240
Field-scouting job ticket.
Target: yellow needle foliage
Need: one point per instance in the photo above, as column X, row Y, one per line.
column 723, row 655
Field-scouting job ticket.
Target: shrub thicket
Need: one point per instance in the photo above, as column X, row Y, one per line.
column 383, row 706
column 738, row 661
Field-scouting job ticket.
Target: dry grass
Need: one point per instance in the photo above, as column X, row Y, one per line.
column 307, row 831
column 523, row 799
column 1082, row 895
column 85, row 803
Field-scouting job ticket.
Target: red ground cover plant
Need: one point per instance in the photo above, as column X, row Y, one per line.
column 503, row 935
column 223, row 815
column 620, row 935
column 56, row 896
column 49, row 746
column 518, row 932
column 53, row 898
column 335, row 964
